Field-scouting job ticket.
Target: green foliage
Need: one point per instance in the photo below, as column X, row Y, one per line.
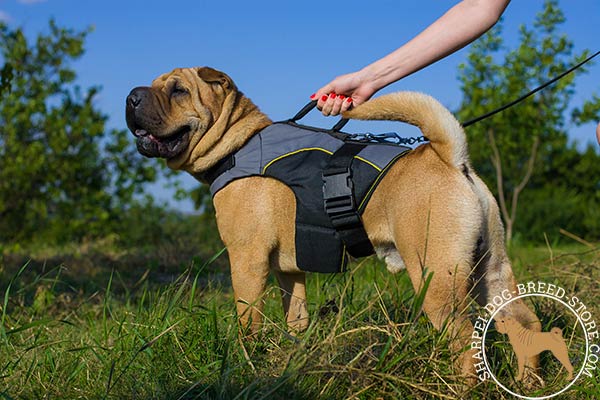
column 63, row 175
column 149, row 226
column 525, row 148
column 6, row 75
column 564, row 195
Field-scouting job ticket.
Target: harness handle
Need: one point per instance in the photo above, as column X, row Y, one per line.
column 340, row 124
column 309, row 107
column 305, row 110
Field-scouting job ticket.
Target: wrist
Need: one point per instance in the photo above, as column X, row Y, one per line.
column 378, row 75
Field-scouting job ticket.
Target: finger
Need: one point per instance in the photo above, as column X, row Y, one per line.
column 328, row 104
column 346, row 104
column 322, row 99
column 337, row 104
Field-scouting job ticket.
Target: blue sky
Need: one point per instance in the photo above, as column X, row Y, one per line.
column 278, row 52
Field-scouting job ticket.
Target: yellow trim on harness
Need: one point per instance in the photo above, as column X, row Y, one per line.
column 311, row 149
column 292, row 153
column 368, row 162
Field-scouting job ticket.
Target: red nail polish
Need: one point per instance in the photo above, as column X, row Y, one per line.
column 324, row 98
column 312, row 96
column 332, row 95
column 349, row 99
column 341, row 96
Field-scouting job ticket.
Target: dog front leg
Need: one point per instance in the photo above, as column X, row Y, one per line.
column 293, row 296
column 521, row 367
column 249, row 272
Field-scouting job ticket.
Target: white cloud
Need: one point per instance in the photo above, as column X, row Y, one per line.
column 4, row 17
column 30, row 1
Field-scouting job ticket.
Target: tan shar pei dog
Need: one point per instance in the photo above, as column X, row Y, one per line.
column 430, row 211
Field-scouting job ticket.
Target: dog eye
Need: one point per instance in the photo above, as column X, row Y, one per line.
column 179, row 90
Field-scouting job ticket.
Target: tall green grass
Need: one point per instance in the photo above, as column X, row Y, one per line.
column 368, row 338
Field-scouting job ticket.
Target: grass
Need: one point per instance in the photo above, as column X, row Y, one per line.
column 119, row 333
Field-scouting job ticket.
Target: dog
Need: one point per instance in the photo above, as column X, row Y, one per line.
column 430, row 211
column 527, row 343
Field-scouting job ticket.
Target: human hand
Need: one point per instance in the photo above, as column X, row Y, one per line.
column 343, row 92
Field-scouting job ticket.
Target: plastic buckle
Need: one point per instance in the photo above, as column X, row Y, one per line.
column 337, row 193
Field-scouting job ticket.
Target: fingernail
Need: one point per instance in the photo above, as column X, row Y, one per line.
column 332, row 95
column 341, row 96
column 312, row 96
column 324, row 98
column 349, row 99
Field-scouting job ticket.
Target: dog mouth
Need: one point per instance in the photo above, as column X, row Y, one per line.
column 167, row 147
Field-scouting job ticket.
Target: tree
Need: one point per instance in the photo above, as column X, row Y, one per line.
column 518, row 149
column 63, row 175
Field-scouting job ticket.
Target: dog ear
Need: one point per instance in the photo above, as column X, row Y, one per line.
column 211, row 75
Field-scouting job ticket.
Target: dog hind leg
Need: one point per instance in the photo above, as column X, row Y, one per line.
column 562, row 354
column 446, row 302
column 438, row 237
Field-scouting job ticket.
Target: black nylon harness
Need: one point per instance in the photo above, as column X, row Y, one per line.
column 335, row 165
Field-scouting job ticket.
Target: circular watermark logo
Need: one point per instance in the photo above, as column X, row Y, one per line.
column 567, row 346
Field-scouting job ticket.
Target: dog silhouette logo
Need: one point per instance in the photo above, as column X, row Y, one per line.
column 578, row 337
column 527, row 343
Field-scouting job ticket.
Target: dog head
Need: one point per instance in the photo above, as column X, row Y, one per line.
column 184, row 114
column 503, row 325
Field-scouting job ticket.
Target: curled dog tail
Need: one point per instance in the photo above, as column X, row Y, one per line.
column 435, row 121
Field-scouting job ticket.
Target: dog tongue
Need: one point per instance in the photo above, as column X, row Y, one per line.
column 140, row 133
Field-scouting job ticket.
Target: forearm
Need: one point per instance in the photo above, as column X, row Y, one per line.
column 458, row 27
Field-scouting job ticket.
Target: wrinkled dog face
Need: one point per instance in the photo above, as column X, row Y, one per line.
column 165, row 116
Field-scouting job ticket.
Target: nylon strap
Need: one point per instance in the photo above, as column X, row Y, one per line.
column 340, row 203
column 216, row 170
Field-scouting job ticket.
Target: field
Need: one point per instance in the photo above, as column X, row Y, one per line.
column 102, row 324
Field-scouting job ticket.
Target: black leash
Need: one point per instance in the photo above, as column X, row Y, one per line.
column 512, row 103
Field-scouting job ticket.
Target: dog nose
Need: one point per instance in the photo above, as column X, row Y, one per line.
column 135, row 97
column 133, row 100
